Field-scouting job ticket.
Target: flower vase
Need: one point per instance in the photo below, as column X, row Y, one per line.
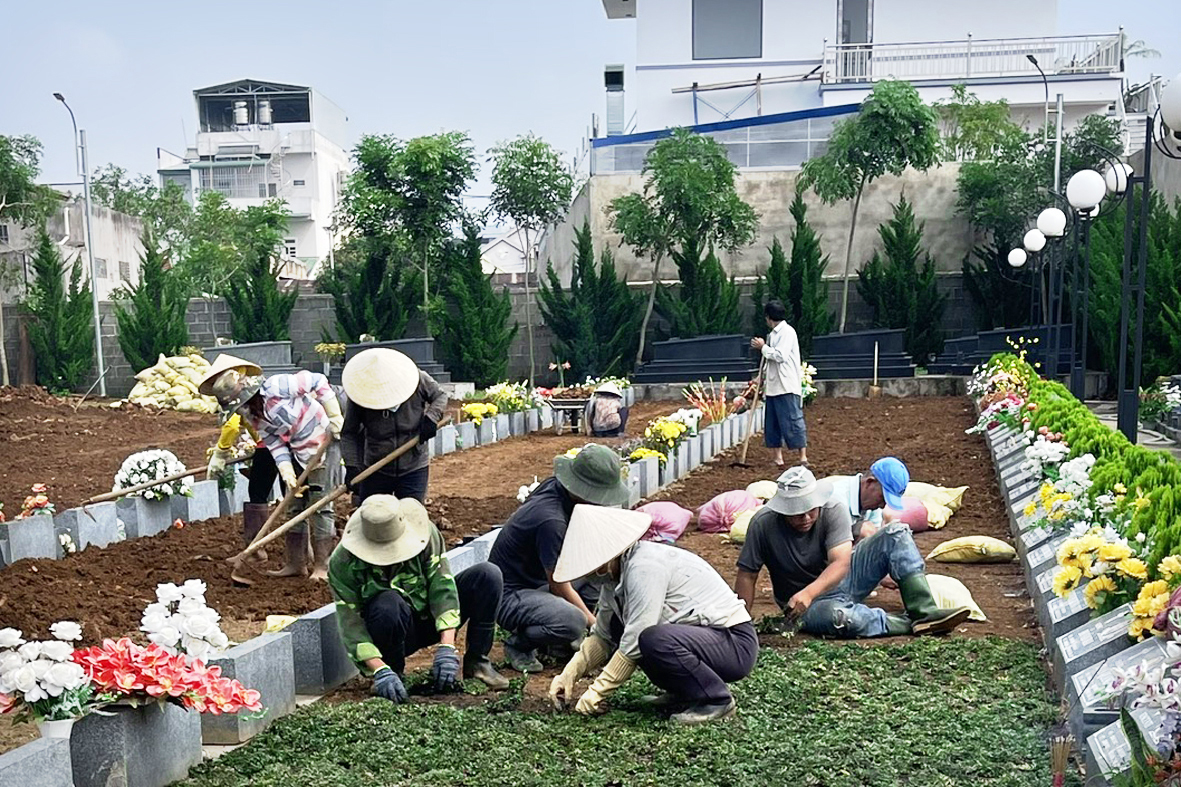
column 59, row 729
column 327, row 366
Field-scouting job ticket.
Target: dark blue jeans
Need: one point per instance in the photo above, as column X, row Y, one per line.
column 784, row 424
column 412, row 484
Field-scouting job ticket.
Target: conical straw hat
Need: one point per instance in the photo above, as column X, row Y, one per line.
column 223, row 363
column 595, row 536
column 379, row 378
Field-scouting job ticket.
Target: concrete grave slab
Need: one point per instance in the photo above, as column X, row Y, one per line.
column 1091, row 643
column 447, row 437
column 1018, row 496
column 532, row 420
column 1031, row 539
column 503, row 431
column 1038, row 560
column 32, row 537
column 202, row 504
column 695, row 452
column 668, row 473
column 1108, row 750
column 516, row 423
column 1067, row 614
column 98, row 529
column 149, row 746
column 707, row 444
column 321, row 662
column 44, row 762
column 649, row 471
column 486, row 432
column 264, row 663
column 635, row 489
column 683, row 459
column 142, row 517
column 230, row 501
column 1088, row 687
column 465, row 435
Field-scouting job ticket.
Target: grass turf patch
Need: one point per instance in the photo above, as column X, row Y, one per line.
column 930, row 712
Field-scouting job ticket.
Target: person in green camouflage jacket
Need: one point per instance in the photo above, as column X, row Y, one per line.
column 395, row 594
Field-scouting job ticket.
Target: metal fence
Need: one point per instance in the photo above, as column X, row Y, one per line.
column 968, row 58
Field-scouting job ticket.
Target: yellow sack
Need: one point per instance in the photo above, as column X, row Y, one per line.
column 973, row 549
column 948, row 497
column 763, row 490
column 950, row 593
column 276, row 623
column 737, row 534
column 179, row 392
column 937, row 515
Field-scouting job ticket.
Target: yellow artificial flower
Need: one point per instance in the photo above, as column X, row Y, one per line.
column 1031, row 509
column 1137, row 628
column 1170, row 567
column 1132, row 567
column 1120, row 489
column 1094, row 588
column 1066, row 580
column 1114, row 553
column 1086, row 562
column 1142, row 502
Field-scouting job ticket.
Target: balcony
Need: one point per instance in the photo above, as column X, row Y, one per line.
column 972, row 59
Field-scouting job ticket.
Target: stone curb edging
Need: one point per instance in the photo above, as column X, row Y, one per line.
column 306, row 657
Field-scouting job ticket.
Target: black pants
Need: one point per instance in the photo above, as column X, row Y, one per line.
column 695, row 663
column 263, row 473
column 412, row 484
column 398, row 631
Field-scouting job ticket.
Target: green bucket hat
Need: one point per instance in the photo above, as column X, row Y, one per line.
column 594, row 475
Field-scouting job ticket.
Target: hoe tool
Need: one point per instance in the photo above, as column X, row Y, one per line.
column 750, row 421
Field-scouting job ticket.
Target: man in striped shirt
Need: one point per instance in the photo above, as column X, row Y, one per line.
column 294, row 414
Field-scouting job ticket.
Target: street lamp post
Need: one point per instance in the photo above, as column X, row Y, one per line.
column 1051, row 222
column 1085, row 190
column 80, row 145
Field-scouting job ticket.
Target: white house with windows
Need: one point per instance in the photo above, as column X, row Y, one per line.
column 262, row 140
column 707, row 61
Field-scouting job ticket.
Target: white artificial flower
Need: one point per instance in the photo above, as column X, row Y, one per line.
column 31, row 651
column 168, row 593
column 66, row 630
column 189, row 607
column 56, row 650
column 194, row 588
column 197, row 627
column 22, row 679
column 68, row 675
column 219, row 640
column 11, row 638
column 1141, row 537
column 154, row 621
column 166, row 637
column 197, row 648
column 41, row 667
column 10, row 660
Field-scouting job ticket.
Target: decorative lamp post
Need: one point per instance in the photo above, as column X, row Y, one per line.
column 1017, row 258
column 1084, row 191
column 1051, row 222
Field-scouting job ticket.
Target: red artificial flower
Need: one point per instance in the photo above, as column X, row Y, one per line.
column 40, row 489
column 7, row 703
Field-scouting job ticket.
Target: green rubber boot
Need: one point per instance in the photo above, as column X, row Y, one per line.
column 925, row 616
column 897, row 625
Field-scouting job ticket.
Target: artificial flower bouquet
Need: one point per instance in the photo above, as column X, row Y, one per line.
column 153, row 465
column 664, row 435
column 476, row 412
column 180, row 621
column 39, row 678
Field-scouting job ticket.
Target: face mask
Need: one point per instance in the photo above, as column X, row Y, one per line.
column 601, row 579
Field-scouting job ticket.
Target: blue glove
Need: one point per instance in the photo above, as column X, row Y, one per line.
column 445, row 670
column 387, row 685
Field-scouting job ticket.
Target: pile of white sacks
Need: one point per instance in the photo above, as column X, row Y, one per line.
column 172, row 385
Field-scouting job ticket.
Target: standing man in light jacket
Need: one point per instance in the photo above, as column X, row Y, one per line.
column 784, row 385
column 388, row 401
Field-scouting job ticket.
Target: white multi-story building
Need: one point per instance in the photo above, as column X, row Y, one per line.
column 264, row 140
column 701, row 62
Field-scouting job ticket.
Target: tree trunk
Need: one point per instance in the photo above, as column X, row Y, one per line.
column 4, row 380
column 648, row 309
column 426, row 293
column 849, row 258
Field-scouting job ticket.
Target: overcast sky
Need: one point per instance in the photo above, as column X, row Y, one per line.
column 490, row 67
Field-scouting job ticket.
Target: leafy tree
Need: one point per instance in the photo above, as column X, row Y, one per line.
column 165, row 208
column 411, row 189
column 259, row 310
column 689, row 203
column 972, row 129
column 900, row 290
column 151, row 315
column 894, row 130
column 475, row 334
column 532, row 187
column 799, row 284
column 60, row 325
column 374, row 289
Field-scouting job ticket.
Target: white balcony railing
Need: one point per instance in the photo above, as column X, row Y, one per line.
column 972, row 58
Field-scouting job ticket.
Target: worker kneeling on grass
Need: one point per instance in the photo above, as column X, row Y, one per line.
column 539, row 610
column 395, row 595
column 293, row 414
column 663, row 609
column 804, row 537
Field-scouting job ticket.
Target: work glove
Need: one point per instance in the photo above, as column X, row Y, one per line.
column 618, row 670
column 427, row 429
column 350, row 477
column 445, row 670
column 387, row 685
column 331, row 407
column 287, row 473
column 217, row 463
column 593, row 654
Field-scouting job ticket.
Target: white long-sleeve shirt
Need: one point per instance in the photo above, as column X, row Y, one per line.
column 782, row 352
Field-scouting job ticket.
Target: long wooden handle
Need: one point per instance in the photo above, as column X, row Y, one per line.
column 750, row 422
column 316, row 506
column 293, row 491
column 141, row 487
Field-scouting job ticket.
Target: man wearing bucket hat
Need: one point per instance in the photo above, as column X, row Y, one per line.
column 866, row 494
column 804, row 537
column 293, row 414
column 395, row 595
column 539, row 610
column 605, row 415
column 389, row 401
column 663, row 609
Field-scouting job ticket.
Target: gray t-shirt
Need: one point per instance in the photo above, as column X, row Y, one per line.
column 793, row 559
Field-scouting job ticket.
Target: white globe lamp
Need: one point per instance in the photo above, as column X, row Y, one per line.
column 1170, row 104
column 1085, row 190
column 1052, row 223
column 1017, row 258
column 1116, row 177
column 1034, row 241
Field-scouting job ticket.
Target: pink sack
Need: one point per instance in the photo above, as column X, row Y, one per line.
column 669, row 521
column 717, row 516
column 913, row 513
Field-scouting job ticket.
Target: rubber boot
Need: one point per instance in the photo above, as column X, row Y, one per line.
column 296, row 564
column 321, row 551
column 482, row 670
column 254, row 516
column 897, row 625
column 925, row 616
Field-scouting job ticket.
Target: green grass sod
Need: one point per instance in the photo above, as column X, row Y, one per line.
column 930, row 712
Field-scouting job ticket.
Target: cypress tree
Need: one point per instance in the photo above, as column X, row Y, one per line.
column 259, row 310
column 151, row 315
column 61, row 328
column 375, row 289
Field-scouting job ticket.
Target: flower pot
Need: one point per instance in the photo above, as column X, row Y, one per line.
column 56, row 729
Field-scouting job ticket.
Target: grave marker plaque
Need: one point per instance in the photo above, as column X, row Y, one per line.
column 1068, row 613
column 1108, row 750
column 1091, row 643
column 1093, row 684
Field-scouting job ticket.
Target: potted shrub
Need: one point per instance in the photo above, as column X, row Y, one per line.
column 40, row 681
